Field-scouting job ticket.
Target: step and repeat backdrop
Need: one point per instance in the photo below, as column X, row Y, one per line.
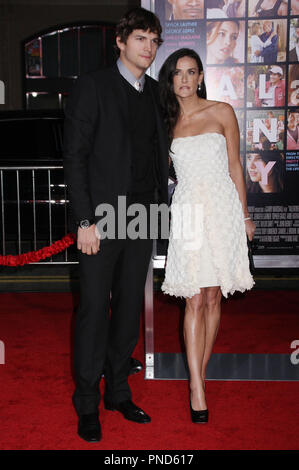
column 250, row 52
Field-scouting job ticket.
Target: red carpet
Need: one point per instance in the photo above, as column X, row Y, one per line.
column 36, row 385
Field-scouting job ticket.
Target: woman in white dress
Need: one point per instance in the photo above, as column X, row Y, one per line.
column 212, row 259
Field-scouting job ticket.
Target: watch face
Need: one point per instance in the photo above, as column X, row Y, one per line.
column 84, row 223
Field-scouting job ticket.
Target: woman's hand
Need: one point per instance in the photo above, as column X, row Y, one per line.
column 250, row 228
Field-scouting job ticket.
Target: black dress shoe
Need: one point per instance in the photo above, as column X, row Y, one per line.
column 200, row 416
column 89, row 427
column 129, row 410
column 135, row 366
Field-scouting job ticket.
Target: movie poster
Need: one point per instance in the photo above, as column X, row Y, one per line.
column 250, row 52
column 33, row 58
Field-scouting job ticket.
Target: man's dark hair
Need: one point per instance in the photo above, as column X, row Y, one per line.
column 138, row 18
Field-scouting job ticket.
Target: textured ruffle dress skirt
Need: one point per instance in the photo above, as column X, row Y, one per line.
column 207, row 243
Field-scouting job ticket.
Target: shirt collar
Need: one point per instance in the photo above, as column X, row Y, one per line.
column 127, row 74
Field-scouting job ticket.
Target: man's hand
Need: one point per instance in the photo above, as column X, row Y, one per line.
column 257, row 53
column 88, row 240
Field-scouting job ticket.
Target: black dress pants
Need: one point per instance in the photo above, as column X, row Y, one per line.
column 103, row 343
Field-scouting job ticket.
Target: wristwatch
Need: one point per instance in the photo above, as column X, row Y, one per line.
column 85, row 223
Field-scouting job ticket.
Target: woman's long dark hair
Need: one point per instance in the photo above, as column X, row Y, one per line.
column 277, row 171
column 169, row 102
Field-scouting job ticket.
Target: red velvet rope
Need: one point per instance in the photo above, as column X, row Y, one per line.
column 35, row 256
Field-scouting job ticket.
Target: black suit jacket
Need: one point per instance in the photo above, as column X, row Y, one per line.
column 97, row 144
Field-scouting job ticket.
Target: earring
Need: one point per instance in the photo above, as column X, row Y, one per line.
column 199, row 87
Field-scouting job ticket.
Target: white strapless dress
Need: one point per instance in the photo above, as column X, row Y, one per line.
column 212, row 251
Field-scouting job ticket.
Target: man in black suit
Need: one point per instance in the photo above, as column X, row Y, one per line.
column 115, row 145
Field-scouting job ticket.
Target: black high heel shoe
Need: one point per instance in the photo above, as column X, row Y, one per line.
column 200, row 416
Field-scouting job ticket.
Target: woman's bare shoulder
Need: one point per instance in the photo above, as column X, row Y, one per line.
column 223, row 109
column 224, row 114
column 211, row 103
column 218, row 106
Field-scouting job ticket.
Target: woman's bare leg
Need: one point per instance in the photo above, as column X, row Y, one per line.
column 194, row 335
column 212, row 313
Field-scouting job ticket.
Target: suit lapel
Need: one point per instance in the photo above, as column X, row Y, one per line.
column 162, row 146
column 155, row 100
column 119, row 94
column 161, row 129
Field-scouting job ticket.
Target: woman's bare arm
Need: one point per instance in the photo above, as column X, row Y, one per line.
column 232, row 135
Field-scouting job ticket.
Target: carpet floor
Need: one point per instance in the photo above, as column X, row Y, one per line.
column 36, row 380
